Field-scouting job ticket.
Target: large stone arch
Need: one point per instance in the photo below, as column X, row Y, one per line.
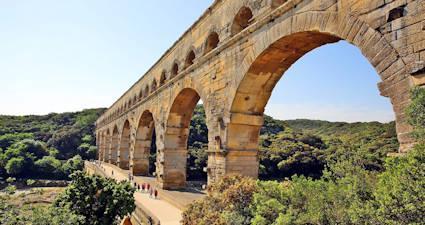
column 143, row 143
column 113, row 150
column 274, row 50
column 173, row 157
column 124, row 146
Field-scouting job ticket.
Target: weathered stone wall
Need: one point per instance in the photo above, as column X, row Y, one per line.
column 232, row 58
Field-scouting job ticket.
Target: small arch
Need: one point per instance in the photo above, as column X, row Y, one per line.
column 163, row 78
column 146, row 92
column 153, row 86
column 396, row 13
column 141, row 94
column 134, row 99
column 189, row 59
column 242, row 20
column 212, row 42
column 174, row 70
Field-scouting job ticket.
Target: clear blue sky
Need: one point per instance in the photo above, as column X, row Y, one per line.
column 58, row 56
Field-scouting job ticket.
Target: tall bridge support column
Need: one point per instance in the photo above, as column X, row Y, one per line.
column 172, row 163
column 123, row 153
column 172, row 159
column 238, row 152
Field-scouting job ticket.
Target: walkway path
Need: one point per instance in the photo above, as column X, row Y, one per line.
column 170, row 204
column 167, row 213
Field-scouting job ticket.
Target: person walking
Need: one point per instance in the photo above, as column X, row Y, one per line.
column 156, row 193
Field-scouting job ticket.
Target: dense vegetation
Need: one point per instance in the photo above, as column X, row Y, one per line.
column 302, row 147
column 357, row 186
column 54, row 145
column 87, row 200
column 51, row 146
column 329, row 173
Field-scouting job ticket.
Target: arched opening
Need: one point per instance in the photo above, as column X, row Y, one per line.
column 212, row 42
column 107, row 146
column 154, row 86
column 113, row 151
column 141, row 94
column 124, row 149
column 189, row 59
column 254, row 93
column 175, row 154
column 146, row 92
column 242, row 20
column 143, row 146
column 198, row 148
column 134, row 99
column 174, row 70
column 163, row 78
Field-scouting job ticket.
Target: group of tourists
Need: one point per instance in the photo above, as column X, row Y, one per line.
column 144, row 188
column 147, row 188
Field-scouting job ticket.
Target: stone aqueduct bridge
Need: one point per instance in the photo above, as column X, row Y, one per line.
column 232, row 58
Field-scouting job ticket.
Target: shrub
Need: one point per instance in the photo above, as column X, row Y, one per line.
column 15, row 166
column 96, row 199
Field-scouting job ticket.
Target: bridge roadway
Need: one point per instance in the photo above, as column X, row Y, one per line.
column 170, row 204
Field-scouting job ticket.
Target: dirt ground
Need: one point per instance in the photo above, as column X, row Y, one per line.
column 26, row 199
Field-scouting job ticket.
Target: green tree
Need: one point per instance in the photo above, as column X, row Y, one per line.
column 98, row 200
column 228, row 203
column 72, row 165
column 66, row 140
column 15, row 166
column 400, row 196
column 48, row 165
column 416, row 112
column 7, row 140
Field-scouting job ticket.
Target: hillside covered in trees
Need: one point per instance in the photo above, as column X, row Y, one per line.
column 50, row 146
column 53, row 145
column 303, row 147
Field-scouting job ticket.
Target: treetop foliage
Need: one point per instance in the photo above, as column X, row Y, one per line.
column 359, row 183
